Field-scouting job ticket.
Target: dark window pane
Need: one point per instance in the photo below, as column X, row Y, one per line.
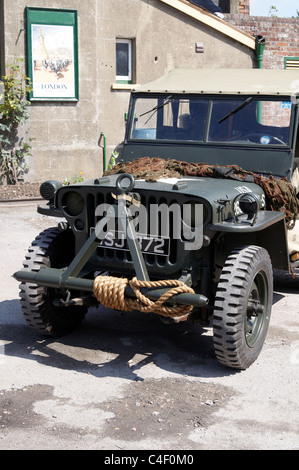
column 122, row 59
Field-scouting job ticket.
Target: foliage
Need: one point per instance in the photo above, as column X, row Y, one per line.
column 273, row 11
column 113, row 159
column 75, row 179
column 13, row 114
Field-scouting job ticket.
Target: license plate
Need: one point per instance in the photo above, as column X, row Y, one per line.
column 148, row 244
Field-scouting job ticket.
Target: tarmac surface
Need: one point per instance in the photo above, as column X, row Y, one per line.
column 128, row 382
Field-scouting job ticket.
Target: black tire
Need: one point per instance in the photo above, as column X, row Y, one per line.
column 51, row 248
column 243, row 306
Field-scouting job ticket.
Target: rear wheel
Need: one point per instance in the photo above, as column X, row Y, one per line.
column 243, row 306
column 55, row 249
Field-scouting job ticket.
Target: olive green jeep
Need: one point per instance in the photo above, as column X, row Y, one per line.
column 190, row 223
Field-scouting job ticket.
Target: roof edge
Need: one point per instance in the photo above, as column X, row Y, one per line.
column 213, row 21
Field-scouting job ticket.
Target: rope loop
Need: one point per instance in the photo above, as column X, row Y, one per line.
column 110, row 292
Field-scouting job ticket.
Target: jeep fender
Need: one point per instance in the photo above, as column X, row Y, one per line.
column 269, row 232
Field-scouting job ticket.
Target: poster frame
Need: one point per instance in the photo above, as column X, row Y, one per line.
column 49, row 19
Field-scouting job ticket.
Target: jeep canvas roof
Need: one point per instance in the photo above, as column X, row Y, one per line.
column 228, row 81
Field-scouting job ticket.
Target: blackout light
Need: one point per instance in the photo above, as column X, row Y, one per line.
column 48, row 189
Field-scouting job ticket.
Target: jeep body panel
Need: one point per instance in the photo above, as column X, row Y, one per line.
column 278, row 163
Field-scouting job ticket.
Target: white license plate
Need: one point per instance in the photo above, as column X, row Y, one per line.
column 148, row 244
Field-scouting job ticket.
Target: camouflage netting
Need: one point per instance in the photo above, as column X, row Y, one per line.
column 280, row 194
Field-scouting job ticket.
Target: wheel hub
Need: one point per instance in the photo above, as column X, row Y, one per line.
column 256, row 306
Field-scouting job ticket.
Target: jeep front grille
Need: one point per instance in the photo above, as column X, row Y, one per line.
column 119, row 260
column 117, row 257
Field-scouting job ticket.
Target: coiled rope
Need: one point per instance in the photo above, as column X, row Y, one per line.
column 110, row 292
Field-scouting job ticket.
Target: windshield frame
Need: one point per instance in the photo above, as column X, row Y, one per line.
column 247, row 99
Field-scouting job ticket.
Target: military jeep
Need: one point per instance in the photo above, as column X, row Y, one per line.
column 192, row 220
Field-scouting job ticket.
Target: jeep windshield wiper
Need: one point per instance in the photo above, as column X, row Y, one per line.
column 155, row 108
column 235, row 110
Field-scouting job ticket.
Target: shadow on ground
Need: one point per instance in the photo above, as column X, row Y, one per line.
column 110, row 343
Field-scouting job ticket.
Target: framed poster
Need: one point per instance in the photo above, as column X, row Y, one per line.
column 52, row 52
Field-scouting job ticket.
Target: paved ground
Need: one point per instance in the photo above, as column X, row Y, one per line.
column 126, row 382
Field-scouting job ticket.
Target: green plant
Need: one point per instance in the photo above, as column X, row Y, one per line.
column 273, row 11
column 75, row 179
column 13, row 115
column 113, row 159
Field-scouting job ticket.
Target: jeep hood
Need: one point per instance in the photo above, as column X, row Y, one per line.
column 210, row 189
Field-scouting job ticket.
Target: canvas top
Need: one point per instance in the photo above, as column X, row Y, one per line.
column 226, row 81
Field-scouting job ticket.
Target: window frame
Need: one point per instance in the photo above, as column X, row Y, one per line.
column 158, row 110
column 125, row 79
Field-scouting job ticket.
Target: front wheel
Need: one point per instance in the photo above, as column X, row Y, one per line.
column 243, row 306
column 50, row 249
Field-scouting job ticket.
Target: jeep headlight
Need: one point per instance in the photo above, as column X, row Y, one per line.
column 72, row 203
column 248, row 204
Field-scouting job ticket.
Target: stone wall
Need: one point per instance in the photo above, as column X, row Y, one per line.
column 234, row 6
column 244, row 7
column 281, row 35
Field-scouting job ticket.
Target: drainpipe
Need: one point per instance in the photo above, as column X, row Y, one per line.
column 259, row 51
column 103, row 135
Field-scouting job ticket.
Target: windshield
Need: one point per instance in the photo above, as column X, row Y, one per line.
column 238, row 121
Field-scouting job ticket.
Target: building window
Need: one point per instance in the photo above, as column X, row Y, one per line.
column 124, row 54
column 291, row 63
